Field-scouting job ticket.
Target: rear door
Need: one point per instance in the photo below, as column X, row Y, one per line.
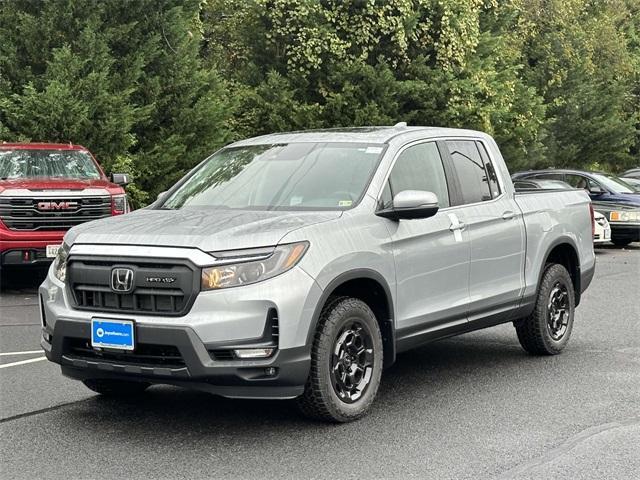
column 431, row 254
column 496, row 231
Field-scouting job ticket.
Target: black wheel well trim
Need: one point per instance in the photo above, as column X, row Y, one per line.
column 364, row 274
column 577, row 280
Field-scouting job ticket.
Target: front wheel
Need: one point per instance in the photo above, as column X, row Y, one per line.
column 346, row 362
column 547, row 330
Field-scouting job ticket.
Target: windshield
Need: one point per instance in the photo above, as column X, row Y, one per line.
column 47, row 164
column 614, row 184
column 293, row 176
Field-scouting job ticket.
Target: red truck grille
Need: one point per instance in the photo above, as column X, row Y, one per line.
column 45, row 213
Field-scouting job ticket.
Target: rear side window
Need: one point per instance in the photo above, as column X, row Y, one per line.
column 418, row 168
column 472, row 174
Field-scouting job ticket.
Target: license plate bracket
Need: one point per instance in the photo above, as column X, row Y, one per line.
column 112, row 333
column 52, row 250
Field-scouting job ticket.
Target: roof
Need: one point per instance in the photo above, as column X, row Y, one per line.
column 352, row 135
column 556, row 170
column 41, row 146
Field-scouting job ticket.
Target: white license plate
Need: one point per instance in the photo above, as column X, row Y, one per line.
column 52, row 250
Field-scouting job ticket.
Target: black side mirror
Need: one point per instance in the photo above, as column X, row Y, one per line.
column 120, row 179
column 411, row 204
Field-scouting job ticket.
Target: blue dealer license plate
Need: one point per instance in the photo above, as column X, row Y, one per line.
column 112, row 333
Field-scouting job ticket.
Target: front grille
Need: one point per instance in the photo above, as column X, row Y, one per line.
column 144, row 354
column 90, row 283
column 46, row 213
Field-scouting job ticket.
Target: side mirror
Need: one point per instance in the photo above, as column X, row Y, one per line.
column 411, row 204
column 596, row 190
column 161, row 195
column 120, row 179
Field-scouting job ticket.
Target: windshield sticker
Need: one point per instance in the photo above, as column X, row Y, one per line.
column 345, row 203
column 375, row 150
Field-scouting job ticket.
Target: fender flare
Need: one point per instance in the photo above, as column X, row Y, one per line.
column 367, row 273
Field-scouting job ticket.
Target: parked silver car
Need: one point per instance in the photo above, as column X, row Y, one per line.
column 300, row 264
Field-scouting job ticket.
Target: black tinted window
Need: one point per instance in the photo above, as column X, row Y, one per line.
column 418, row 168
column 473, row 177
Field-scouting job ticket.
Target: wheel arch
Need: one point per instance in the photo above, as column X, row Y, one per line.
column 372, row 288
column 563, row 251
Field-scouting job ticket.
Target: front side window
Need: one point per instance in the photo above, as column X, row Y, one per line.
column 418, row 168
column 292, row 176
column 580, row 181
column 473, row 177
column 21, row 163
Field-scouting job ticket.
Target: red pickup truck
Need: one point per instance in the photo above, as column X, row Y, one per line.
column 45, row 189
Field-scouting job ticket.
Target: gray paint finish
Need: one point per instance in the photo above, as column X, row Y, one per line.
column 463, row 265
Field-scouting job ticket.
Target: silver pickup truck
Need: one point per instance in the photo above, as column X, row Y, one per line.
column 300, row 264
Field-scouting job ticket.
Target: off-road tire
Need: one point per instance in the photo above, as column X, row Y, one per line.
column 116, row 388
column 320, row 400
column 533, row 331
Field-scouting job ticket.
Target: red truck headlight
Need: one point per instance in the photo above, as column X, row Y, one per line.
column 118, row 204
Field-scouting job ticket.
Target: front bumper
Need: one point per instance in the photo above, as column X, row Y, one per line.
column 625, row 231
column 217, row 320
column 281, row 376
column 27, row 248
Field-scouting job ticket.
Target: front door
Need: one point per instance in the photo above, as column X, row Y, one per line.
column 431, row 254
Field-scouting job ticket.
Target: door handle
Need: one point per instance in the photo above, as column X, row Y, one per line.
column 459, row 226
column 508, row 215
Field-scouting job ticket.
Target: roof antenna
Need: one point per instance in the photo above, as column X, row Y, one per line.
column 400, row 125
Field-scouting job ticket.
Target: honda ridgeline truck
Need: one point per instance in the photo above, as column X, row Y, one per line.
column 300, row 264
column 45, row 189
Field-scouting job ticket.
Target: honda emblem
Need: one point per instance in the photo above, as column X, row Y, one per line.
column 122, row 280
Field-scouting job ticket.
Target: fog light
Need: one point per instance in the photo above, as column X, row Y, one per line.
column 254, row 352
column 270, row 371
column 46, row 336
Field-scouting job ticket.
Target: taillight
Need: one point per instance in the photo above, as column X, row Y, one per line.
column 593, row 219
column 118, row 204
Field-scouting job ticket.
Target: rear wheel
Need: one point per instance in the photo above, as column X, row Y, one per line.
column 115, row 388
column 346, row 362
column 547, row 330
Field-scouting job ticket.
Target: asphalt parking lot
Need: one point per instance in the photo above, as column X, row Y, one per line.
column 475, row 406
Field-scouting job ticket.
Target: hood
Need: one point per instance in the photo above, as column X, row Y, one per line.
column 623, row 199
column 208, row 230
column 56, row 184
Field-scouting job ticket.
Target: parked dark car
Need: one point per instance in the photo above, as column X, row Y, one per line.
column 530, row 184
column 633, row 173
column 610, row 195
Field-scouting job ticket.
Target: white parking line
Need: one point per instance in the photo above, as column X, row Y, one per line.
column 31, row 360
column 9, row 354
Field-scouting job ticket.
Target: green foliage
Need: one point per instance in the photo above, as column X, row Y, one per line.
column 153, row 87
column 125, row 79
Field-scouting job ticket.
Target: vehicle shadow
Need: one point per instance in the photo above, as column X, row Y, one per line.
column 429, row 373
column 22, row 280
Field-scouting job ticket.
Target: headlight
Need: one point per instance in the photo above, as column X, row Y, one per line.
column 60, row 263
column 624, row 216
column 252, row 266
